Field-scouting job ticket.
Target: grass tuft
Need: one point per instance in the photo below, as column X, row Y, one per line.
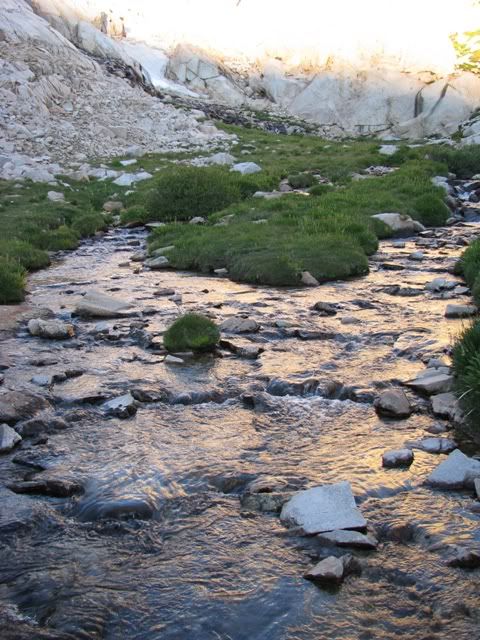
column 191, row 332
column 12, row 281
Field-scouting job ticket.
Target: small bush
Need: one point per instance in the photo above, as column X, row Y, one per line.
column 431, row 210
column 181, row 192
column 464, row 162
column 12, row 281
column 469, row 263
column 25, row 254
column 191, row 332
column 301, row 180
column 61, row 239
column 466, row 364
column 136, row 214
column 320, row 189
column 88, row 224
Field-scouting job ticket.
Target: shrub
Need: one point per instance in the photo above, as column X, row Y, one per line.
column 431, row 210
column 183, row 192
column 25, row 254
column 61, row 239
column 301, row 180
column 464, row 162
column 320, row 189
column 469, row 263
column 88, row 224
column 136, row 214
column 466, row 364
column 191, row 332
column 12, row 281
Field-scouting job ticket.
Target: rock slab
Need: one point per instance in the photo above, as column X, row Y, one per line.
column 458, row 471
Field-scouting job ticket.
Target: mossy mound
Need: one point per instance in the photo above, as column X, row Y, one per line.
column 191, row 332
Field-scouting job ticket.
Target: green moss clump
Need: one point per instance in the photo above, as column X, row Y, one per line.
column 191, row 332
column 301, row 180
column 182, row 192
column 466, row 365
column 12, row 281
column 431, row 210
column 25, row 254
column 88, row 224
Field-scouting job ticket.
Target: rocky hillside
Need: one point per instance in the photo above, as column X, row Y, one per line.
column 60, row 107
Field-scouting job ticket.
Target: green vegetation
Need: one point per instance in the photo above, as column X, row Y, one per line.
column 88, row 224
column 182, row 192
column 464, row 162
column 320, row 189
column 466, row 365
column 12, row 281
column 135, row 215
column 191, row 332
column 469, row 267
column 301, row 180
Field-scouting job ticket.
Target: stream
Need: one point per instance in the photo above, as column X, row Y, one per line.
column 159, row 546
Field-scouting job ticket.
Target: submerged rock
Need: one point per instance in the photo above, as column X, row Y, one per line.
column 460, row 311
column 465, row 559
column 458, row 471
column 239, row 325
column 393, row 403
column 100, row 305
column 434, row 445
column 19, row 405
column 324, row 508
column 122, row 407
column 344, row 538
column 9, row 438
column 397, row 458
column 332, row 571
column 53, row 487
column 51, row 329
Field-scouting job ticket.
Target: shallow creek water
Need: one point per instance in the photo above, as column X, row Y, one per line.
column 195, row 564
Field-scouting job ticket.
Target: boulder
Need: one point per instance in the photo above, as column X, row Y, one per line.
column 388, row 149
column 325, row 309
column 445, row 405
column 51, row 329
column 100, row 305
column 458, row 471
column 263, row 502
column 239, row 325
column 122, row 407
column 460, row 311
column 246, row 168
column 400, row 224
column 169, row 359
column 127, row 179
column 465, row 559
column 308, row 280
column 112, row 206
column 160, row 262
column 431, row 382
column 332, row 571
column 434, row 445
column 9, row 438
column 55, row 196
column 476, row 484
column 324, row 508
column 343, row 538
column 53, row 487
column 19, row 405
column 393, row 403
column 397, row 458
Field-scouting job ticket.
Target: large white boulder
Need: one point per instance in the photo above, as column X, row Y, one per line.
column 324, row 508
column 400, row 224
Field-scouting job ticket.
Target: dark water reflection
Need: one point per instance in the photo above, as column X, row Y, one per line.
column 158, row 545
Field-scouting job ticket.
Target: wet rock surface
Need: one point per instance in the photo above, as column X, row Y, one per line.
column 193, row 483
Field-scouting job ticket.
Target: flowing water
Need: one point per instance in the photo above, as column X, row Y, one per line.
column 158, row 546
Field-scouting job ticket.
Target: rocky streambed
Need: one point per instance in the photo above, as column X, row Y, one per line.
column 143, row 500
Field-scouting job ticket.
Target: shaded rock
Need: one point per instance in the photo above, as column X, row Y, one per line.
column 41, row 425
column 393, row 403
column 325, row 309
column 460, row 311
column 150, row 395
column 308, row 280
column 164, row 292
column 19, row 405
column 112, row 205
column 160, row 262
column 458, row 471
column 250, row 352
column 434, row 445
column 397, row 458
column 53, row 487
column 324, row 508
column 445, row 405
column 431, row 382
column 18, row 512
column 264, row 502
column 279, row 387
column 100, row 305
column 344, row 538
column 332, row 571
column 239, row 325
column 265, row 484
column 401, row 225
column 476, row 484
column 465, row 559
column 51, row 329
column 440, row 284
column 9, row 438
column 121, row 407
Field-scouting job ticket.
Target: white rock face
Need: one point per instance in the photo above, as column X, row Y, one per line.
column 401, row 224
column 100, row 305
column 246, row 168
column 324, row 508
